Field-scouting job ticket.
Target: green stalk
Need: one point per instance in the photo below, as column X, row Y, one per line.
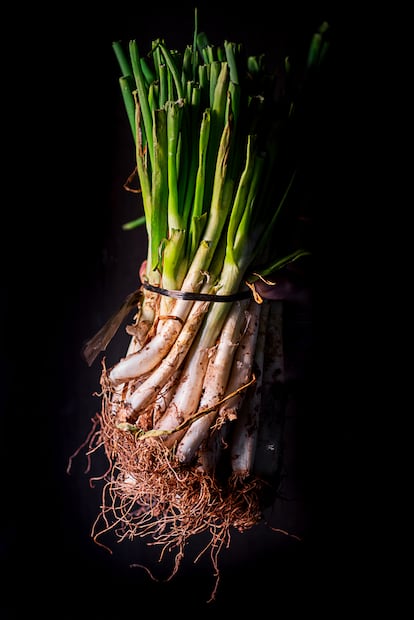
column 174, row 260
column 215, row 68
column 147, row 72
column 203, row 80
column 173, row 251
column 139, row 221
column 202, row 44
column 237, row 254
column 231, row 51
column 174, row 114
column 220, row 53
column 163, row 85
column 126, row 84
column 187, row 71
column 210, row 54
column 244, row 247
column 218, row 119
column 153, row 97
column 143, row 97
column 122, row 59
column 193, row 142
column 184, row 158
column 159, row 186
column 194, row 47
column 217, row 215
column 198, row 218
column 173, row 70
column 144, row 181
column 240, row 199
column 278, row 263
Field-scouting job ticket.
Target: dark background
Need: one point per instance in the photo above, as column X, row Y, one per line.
column 68, row 266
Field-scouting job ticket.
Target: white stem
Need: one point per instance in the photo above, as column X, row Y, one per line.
column 240, row 374
column 187, row 395
column 164, row 397
column 245, row 432
column 215, row 381
column 241, row 371
column 149, row 356
column 170, row 363
column 122, row 390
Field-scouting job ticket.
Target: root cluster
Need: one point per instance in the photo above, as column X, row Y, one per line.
column 148, row 493
column 152, row 492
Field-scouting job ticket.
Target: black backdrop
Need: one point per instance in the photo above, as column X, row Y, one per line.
column 68, row 266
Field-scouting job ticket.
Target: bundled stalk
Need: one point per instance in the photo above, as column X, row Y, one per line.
column 189, row 415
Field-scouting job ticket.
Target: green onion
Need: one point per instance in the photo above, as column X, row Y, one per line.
column 184, row 411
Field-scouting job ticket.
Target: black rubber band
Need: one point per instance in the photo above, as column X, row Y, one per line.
column 196, row 296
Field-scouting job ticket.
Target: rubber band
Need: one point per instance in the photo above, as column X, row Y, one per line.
column 186, row 295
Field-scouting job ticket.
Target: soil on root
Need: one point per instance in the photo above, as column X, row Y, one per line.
column 147, row 493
